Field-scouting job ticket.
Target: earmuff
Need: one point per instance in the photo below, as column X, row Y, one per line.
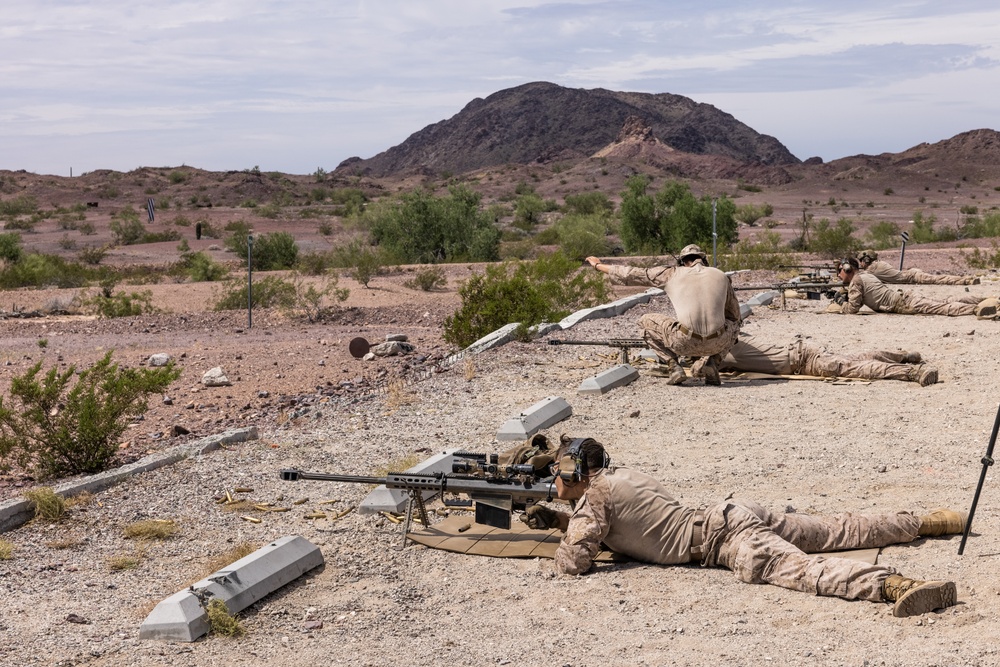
column 571, row 466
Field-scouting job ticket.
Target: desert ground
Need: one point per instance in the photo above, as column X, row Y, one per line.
column 794, row 445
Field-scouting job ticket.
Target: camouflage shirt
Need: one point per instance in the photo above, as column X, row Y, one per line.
column 633, row 515
column 867, row 290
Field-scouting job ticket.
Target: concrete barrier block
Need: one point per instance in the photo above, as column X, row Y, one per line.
column 763, row 298
column 543, row 414
column 383, row 499
column 745, row 311
column 605, row 381
column 181, row 617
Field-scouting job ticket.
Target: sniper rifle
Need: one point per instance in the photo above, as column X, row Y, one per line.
column 623, row 344
column 496, row 489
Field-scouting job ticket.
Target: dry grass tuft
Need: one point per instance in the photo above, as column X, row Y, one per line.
column 67, row 542
column 469, row 369
column 221, row 621
column 216, row 563
column 6, row 550
column 49, row 506
column 397, row 465
column 151, row 529
column 397, row 395
column 81, row 499
column 126, row 562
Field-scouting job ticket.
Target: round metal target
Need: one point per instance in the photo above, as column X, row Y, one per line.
column 359, row 347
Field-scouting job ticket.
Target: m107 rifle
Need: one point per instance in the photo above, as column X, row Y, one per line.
column 497, row 489
column 623, row 344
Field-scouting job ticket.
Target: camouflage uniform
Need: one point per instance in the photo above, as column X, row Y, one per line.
column 708, row 312
column 884, row 272
column 867, row 290
column 801, row 358
column 633, row 515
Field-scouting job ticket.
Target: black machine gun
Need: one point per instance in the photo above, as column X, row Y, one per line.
column 623, row 344
column 497, row 489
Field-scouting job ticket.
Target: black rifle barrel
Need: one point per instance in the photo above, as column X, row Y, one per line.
column 987, row 462
column 613, row 342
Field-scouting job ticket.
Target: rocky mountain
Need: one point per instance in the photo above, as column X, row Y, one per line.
column 540, row 122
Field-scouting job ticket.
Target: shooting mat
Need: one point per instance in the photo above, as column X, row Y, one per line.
column 463, row 535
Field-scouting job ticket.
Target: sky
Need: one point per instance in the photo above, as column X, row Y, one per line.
column 299, row 85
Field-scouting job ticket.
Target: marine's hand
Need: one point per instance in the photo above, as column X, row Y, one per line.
column 540, row 518
column 593, row 261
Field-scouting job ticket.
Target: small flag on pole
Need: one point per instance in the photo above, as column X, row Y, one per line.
column 150, row 208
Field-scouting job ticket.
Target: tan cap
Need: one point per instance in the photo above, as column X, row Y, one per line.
column 692, row 250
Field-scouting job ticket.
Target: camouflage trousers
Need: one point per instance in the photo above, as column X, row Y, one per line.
column 669, row 339
column 911, row 304
column 918, row 277
column 880, row 365
column 786, row 549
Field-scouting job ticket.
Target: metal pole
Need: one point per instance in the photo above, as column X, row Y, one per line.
column 249, row 281
column 715, row 236
column 902, row 252
column 987, row 462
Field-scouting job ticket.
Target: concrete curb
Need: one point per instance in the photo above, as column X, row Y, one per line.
column 181, row 617
column 383, row 499
column 605, row 381
column 545, row 413
column 15, row 513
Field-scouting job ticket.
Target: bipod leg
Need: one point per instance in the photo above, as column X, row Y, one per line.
column 624, row 356
column 414, row 503
column 987, row 461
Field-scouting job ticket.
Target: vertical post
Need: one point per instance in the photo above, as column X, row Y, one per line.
column 249, row 281
column 902, row 251
column 987, row 462
column 715, row 236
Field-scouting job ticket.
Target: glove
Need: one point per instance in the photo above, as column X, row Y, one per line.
column 540, row 518
column 840, row 297
column 835, row 308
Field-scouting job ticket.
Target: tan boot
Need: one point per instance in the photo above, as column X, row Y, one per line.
column 913, row 597
column 711, row 372
column 987, row 308
column 670, row 370
column 912, row 358
column 972, row 280
column 927, row 375
column 942, row 522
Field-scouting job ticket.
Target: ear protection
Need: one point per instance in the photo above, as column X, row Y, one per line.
column 571, row 466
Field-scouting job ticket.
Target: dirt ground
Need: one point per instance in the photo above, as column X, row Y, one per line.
column 803, row 446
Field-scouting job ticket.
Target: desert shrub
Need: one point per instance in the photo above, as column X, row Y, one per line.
column 672, row 218
column 268, row 292
column 126, row 228
column 66, row 243
column 49, row 506
column 546, row 289
column 315, row 263
column 177, row 177
column 428, row 279
column 55, row 427
column 22, row 205
column 977, row 228
column 882, row 235
column 10, row 246
column 366, row 263
column 38, row 270
column 20, row 225
column 923, row 230
column 549, row 236
column 314, row 300
column 764, row 251
column 324, row 228
column 150, row 529
column 420, row 228
column 528, row 209
column 749, row 214
column 271, row 252
column 86, row 228
column 833, row 240
column 523, row 249
column 350, row 201
column 221, row 622
column 201, row 268
column 108, row 304
column 6, row 550
column 159, row 237
column 582, row 235
column 980, row 259
column 588, row 203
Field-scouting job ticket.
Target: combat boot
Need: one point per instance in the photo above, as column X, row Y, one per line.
column 912, row 358
column 987, row 308
column 926, row 375
column 710, row 371
column 972, row 280
column 942, row 522
column 913, row 597
column 670, row 370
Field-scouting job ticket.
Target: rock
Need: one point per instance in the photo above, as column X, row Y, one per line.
column 215, row 377
column 159, row 359
column 392, row 348
column 402, row 338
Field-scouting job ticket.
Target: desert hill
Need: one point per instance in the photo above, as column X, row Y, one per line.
column 538, row 122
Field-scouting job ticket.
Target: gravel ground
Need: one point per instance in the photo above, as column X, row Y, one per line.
column 804, row 446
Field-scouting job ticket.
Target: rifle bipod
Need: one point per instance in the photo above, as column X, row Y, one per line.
column 414, row 503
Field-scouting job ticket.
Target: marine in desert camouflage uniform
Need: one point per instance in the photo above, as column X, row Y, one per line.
column 708, row 313
column 869, row 261
column 864, row 289
column 633, row 514
column 802, row 358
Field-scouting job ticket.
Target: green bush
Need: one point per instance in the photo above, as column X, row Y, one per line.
column 420, row 228
column 672, row 218
column 38, row 270
column 271, row 252
column 92, row 255
column 883, row 235
column 923, row 230
column 588, row 203
column 581, row 236
column 313, row 301
column 54, row 427
column 761, row 252
column 977, row 228
column 268, row 292
column 528, row 209
column 202, row 268
column 546, row 289
column 366, row 263
column 835, row 240
column 10, row 246
column 126, row 228
column 22, row 205
column 428, row 279
column 979, row 259
column 109, row 304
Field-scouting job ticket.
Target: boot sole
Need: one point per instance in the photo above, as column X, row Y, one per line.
column 927, row 597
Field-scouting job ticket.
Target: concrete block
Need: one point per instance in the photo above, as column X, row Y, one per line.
column 603, row 382
column 501, row 336
column 382, row 499
column 544, row 329
column 745, row 311
column 545, row 413
column 181, row 617
column 764, row 298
